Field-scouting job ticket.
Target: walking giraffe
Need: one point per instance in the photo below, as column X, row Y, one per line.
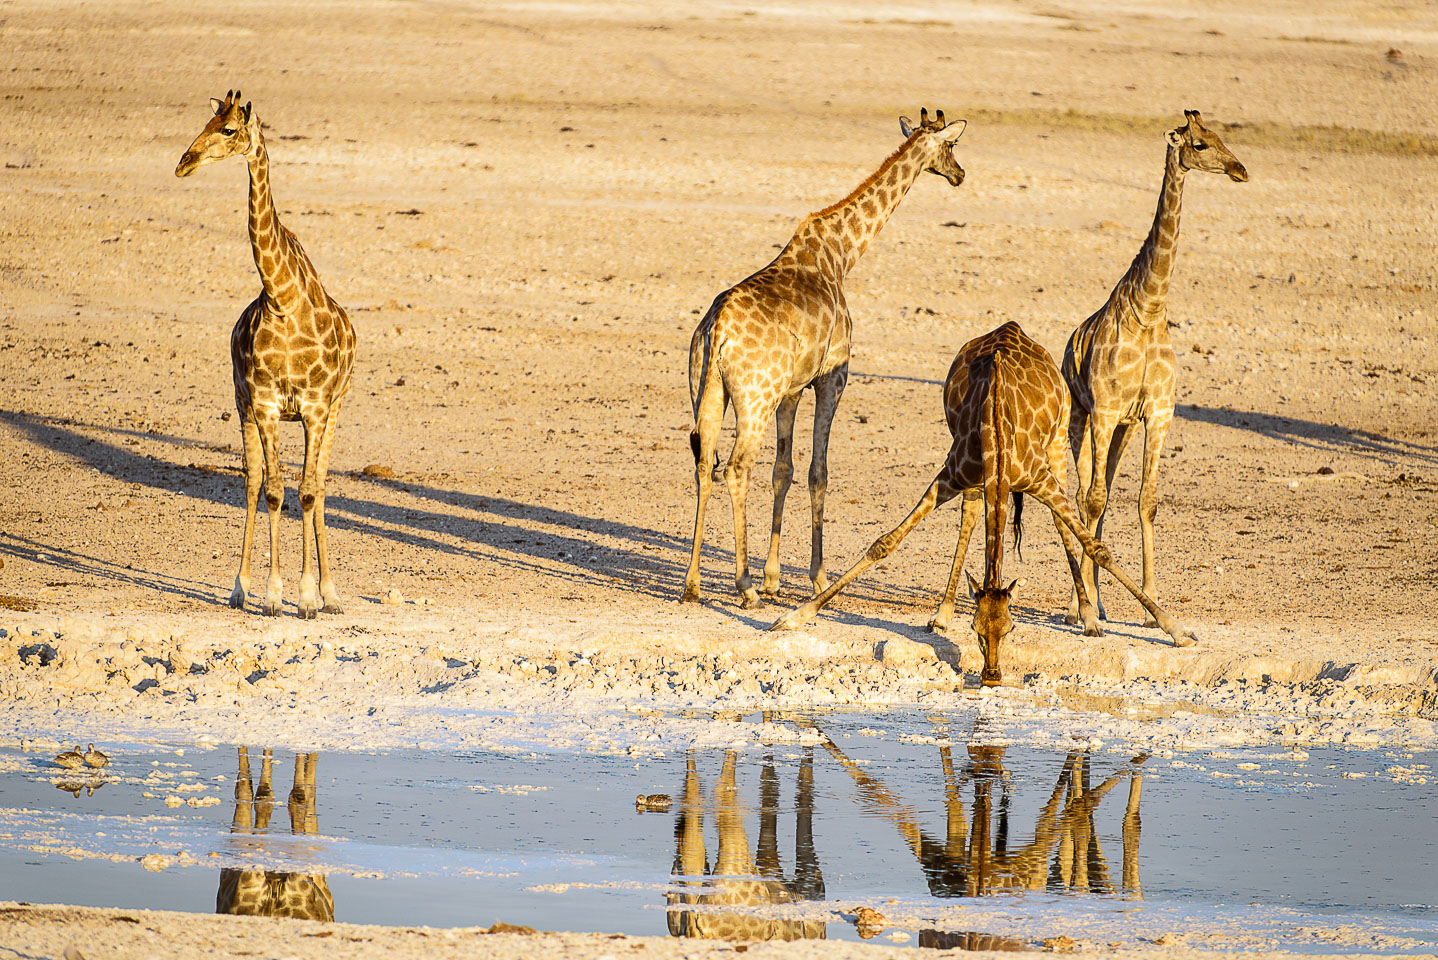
column 1119, row 362
column 787, row 328
column 292, row 350
column 1006, row 406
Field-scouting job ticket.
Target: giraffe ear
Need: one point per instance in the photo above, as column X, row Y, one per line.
column 973, row 585
column 249, row 109
column 1015, row 583
column 955, row 130
column 217, row 105
column 906, row 127
column 1175, row 137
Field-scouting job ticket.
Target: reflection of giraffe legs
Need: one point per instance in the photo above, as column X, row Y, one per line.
column 271, row 893
column 1131, row 827
column 740, row 878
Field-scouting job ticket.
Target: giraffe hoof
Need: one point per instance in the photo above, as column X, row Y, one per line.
column 1072, row 619
column 333, row 605
column 1151, row 622
column 938, row 626
column 691, row 595
column 271, row 608
column 1093, row 631
column 237, row 600
column 1185, row 638
column 751, row 601
column 308, row 612
column 770, row 593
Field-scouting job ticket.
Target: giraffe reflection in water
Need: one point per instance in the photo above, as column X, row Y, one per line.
column 740, row 878
column 974, row 857
column 275, row 893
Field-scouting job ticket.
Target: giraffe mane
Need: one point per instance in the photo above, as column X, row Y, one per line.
column 869, row 180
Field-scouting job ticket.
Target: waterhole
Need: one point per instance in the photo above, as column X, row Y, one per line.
column 950, row 837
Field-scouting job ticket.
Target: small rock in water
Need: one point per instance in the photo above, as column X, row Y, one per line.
column 394, row 596
column 870, row 922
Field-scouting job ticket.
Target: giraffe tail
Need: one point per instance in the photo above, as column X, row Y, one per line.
column 708, row 380
column 1018, row 525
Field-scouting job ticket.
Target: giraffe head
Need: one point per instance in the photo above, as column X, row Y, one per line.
column 1200, row 149
column 937, row 143
column 233, row 130
column 991, row 623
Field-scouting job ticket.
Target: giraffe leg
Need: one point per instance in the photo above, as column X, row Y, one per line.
column 1052, row 498
column 268, row 424
column 827, row 391
column 309, row 484
column 973, row 509
column 328, row 592
column 783, row 476
column 1082, row 445
column 708, row 419
column 1081, row 607
column 1101, row 433
column 254, row 484
column 1122, row 433
column 741, row 462
column 1155, row 431
column 939, row 492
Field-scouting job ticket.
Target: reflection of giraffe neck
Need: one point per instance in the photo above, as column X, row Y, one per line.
column 849, row 226
column 1145, row 285
column 284, row 269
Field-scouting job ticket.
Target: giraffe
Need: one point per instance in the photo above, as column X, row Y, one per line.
column 1119, row 363
column 739, row 878
column 292, row 351
column 787, row 328
column 974, row 857
column 1006, row 406
column 275, row 893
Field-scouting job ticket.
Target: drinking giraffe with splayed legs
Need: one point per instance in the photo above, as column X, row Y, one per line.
column 1007, row 408
column 292, row 351
column 783, row 330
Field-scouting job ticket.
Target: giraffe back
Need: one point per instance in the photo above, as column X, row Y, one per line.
column 1030, row 404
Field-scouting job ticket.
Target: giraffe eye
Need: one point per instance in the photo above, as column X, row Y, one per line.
column 1200, row 146
column 228, row 131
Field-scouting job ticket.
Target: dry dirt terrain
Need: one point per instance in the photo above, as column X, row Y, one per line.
column 526, row 208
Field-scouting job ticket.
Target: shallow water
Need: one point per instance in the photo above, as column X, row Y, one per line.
column 921, row 817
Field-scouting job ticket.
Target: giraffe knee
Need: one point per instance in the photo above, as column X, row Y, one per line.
column 1099, row 553
column 274, row 500
column 307, row 501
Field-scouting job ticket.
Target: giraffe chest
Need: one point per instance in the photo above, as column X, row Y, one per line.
column 288, row 362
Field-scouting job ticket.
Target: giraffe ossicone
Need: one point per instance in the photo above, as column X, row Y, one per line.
column 1007, row 407
column 291, row 352
column 1119, row 363
column 786, row 329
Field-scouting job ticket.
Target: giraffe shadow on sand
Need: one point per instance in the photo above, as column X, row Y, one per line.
column 1323, row 437
column 274, row 893
column 510, row 533
column 739, row 877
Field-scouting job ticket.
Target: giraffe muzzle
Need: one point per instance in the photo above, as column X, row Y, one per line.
column 990, row 676
column 188, row 164
column 1237, row 173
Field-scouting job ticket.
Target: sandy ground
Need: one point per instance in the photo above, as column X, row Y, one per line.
column 526, row 207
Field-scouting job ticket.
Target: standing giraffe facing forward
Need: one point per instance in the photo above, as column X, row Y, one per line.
column 786, row 328
column 1006, row 406
column 292, row 351
column 1119, row 362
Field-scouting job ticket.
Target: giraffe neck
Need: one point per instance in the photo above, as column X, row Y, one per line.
column 1146, row 283
column 849, row 226
column 277, row 260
